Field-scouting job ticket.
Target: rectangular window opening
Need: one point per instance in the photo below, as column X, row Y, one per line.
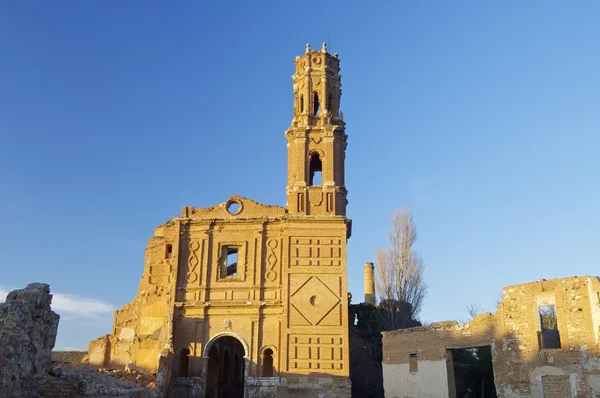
column 231, row 261
column 548, row 335
column 413, row 364
column 169, row 251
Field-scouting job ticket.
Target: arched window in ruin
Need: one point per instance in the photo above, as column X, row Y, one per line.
column 267, row 364
column 302, row 104
column 316, row 103
column 315, row 170
column 184, row 362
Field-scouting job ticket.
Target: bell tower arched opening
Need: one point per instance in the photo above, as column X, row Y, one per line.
column 316, row 103
column 315, row 165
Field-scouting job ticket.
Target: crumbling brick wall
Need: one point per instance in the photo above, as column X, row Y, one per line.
column 556, row 386
column 143, row 328
column 520, row 364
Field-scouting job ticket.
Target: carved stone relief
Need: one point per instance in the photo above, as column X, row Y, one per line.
column 314, row 300
column 316, row 352
column 193, row 262
column 272, row 259
column 316, row 251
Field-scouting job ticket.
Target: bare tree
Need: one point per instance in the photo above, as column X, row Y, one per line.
column 548, row 318
column 474, row 309
column 400, row 284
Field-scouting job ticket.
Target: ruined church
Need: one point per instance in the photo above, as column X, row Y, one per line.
column 246, row 299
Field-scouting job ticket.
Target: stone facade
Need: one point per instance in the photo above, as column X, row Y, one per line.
column 28, row 329
column 251, row 299
column 523, row 365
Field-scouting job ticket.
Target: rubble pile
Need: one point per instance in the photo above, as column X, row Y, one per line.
column 88, row 382
column 140, row 379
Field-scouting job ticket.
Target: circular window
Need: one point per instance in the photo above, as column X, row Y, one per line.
column 234, row 207
column 314, row 300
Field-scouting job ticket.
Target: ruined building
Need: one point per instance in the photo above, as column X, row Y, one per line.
column 28, row 329
column 543, row 341
column 246, row 299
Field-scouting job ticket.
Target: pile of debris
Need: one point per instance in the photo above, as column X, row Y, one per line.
column 131, row 376
column 82, row 381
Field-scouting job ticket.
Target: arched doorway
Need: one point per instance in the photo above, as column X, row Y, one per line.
column 226, row 368
column 267, row 363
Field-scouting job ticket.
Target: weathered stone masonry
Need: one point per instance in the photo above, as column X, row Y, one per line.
column 521, row 367
column 28, row 329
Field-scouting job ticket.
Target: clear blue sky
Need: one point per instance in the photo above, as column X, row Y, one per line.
column 482, row 118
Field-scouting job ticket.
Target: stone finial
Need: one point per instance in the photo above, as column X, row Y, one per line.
column 335, row 55
column 324, row 48
column 307, row 48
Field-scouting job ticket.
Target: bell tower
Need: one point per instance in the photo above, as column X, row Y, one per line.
column 316, row 139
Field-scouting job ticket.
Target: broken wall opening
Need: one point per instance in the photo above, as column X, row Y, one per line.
column 473, row 372
column 548, row 333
